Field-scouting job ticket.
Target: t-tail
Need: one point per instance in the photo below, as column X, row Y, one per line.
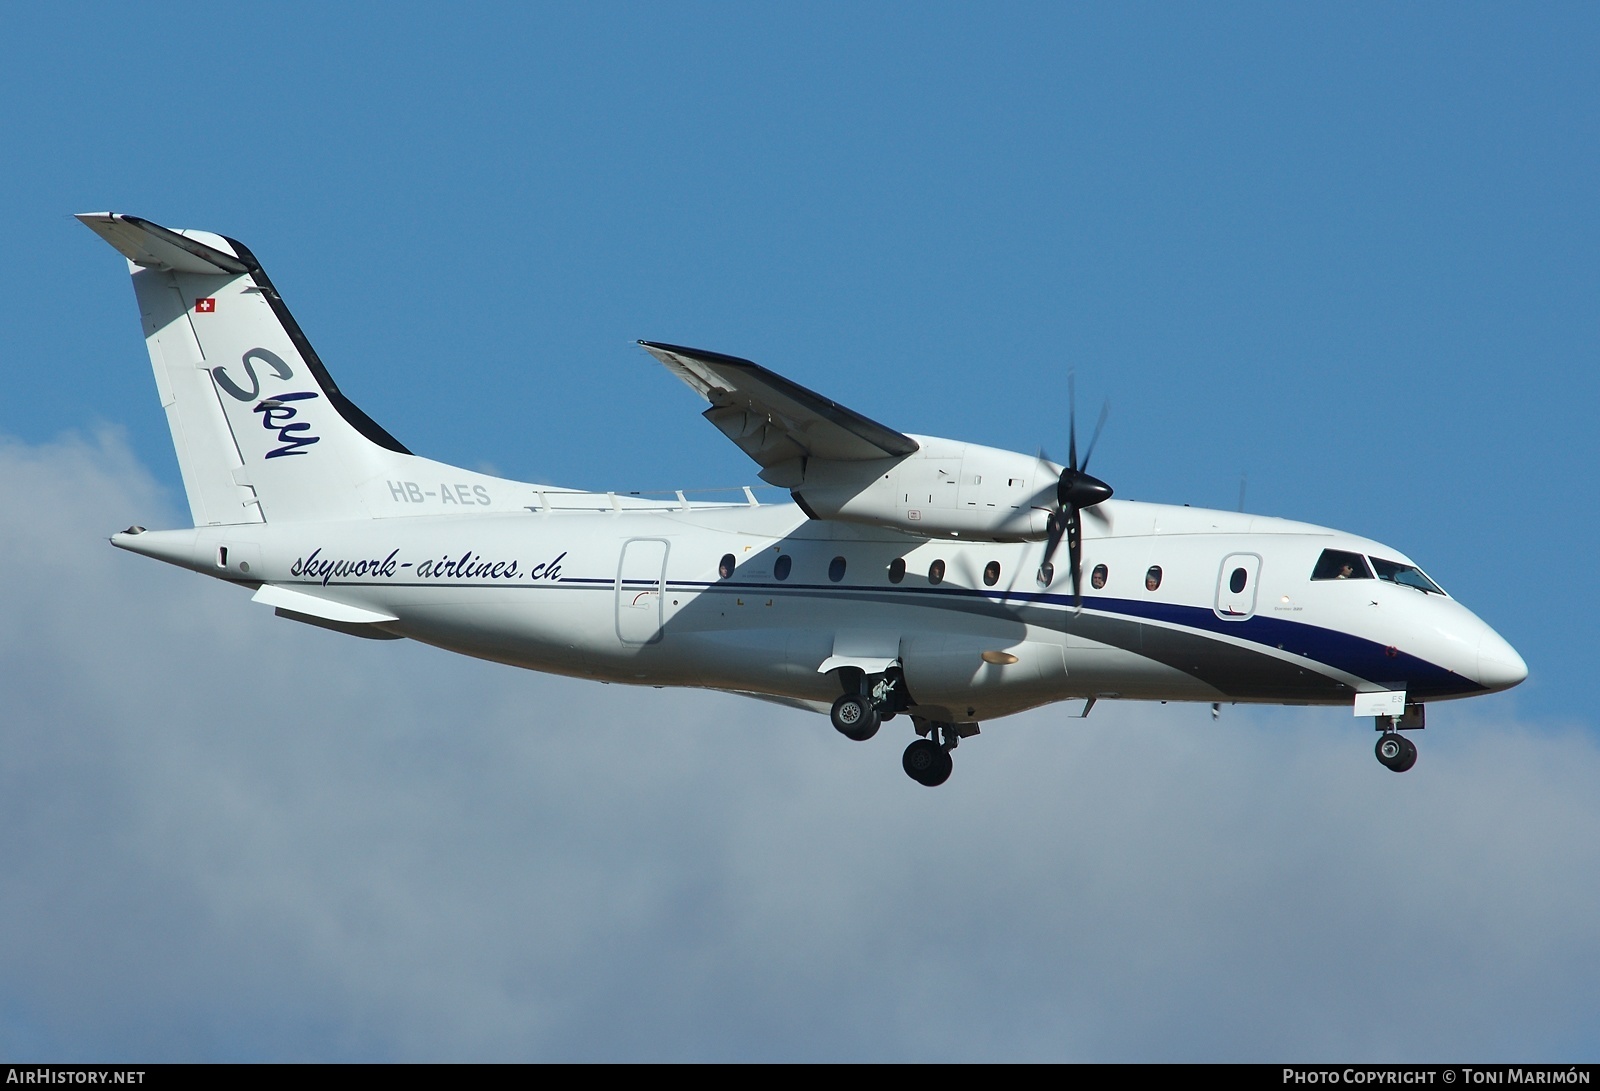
column 261, row 430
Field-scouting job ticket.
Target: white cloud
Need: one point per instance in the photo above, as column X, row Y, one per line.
column 229, row 836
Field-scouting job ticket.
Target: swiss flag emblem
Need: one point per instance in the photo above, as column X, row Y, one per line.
column 205, row 306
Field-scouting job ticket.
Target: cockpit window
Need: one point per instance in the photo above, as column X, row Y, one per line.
column 1336, row 564
column 1395, row 572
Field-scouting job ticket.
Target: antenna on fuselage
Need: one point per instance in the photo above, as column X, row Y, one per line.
column 1242, row 480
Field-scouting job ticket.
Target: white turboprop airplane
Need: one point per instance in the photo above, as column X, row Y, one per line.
column 911, row 575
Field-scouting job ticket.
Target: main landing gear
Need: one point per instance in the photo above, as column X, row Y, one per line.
column 927, row 761
column 855, row 717
column 1394, row 750
column 869, row 700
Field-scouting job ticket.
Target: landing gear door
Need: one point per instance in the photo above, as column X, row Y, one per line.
column 641, row 580
column 1236, row 586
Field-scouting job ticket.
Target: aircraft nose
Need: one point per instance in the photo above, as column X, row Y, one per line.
column 1499, row 665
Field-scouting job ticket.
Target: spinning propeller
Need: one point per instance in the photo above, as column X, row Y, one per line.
column 1076, row 490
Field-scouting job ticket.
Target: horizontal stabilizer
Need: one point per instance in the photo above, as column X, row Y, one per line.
column 298, row 602
column 155, row 247
column 774, row 420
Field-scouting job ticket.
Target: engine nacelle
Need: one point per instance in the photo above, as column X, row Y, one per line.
column 945, row 489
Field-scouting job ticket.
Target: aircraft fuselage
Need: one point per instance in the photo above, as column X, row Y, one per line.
column 639, row 596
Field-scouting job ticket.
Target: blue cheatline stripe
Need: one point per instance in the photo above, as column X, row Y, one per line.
column 1324, row 647
column 1340, row 651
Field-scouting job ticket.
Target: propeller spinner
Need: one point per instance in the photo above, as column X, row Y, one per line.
column 1076, row 490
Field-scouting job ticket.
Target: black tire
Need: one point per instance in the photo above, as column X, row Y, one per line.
column 927, row 763
column 1408, row 758
column 854, row 717
column 1395, row 751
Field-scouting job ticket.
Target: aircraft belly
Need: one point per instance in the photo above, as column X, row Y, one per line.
column 567, row 631
column 1101, row 671
column 782, row 662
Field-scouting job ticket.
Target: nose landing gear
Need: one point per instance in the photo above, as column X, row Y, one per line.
column 1396, row 752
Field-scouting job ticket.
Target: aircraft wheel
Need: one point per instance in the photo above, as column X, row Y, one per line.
column 854, row 717
column 927, row 763
column 1396, row 752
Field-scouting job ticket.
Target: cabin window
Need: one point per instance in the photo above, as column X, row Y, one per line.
column 1152, row 578
column 1337, row 564
column 725, row 566
column 1047, row 574
column 897, row 570
column 1405, row 574
column 1237, row 580
column 936, row 572
column 782, row 566
column 1097, row 578
column 836, row 569
column 991, row 573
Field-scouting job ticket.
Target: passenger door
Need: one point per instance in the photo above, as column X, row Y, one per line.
column 1236, row 586
column 641, row 581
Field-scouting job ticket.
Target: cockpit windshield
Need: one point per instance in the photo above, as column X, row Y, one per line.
column 1336, row 564
column 1405, row 574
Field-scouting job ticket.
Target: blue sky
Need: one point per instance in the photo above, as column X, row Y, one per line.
column 1348, row 252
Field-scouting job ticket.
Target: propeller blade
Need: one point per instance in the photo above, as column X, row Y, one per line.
column 1076, row 492
column 1052, row 538
column 1072, row 421
column 1105, row 411
column 1075, row 558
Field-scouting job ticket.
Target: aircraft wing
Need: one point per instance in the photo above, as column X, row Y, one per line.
column 773, row 420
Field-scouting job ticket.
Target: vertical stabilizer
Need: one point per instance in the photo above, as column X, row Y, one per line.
column 261, row 430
